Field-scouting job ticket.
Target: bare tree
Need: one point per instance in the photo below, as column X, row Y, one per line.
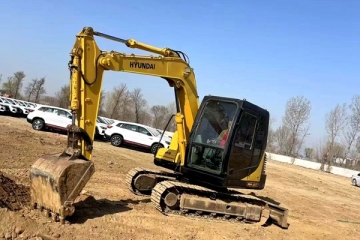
column 335, row 122
column 139, row 104
column 115, row 100
column 18, row 79
column 271, row 136
column 50, row 100
column 9, row 86
column 282, row 137
column 126, row 108
column 102, row 110
column 319, row 153
column 357, row 146
column 353, row 127
column 14, row 84
column 161, row 115
column 63, row 96
column 30, row 89
column 39, row 89
column 145, row 118
column 159, row 112
column 172, row 111
column 297, row 114
column 309, row 152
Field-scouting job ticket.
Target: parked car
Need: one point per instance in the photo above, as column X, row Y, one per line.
column 27, row 105
column 355, row 179
column 11, row 107
column 107, row 120
column 101, row 126
column 48, row 117
column 168, row 134
column 135, row 134
column 21, row 106
column 55, row 118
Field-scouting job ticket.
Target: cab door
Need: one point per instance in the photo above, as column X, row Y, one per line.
column 243, row 155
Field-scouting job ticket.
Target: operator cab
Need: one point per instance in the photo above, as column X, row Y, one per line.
column 227, row 143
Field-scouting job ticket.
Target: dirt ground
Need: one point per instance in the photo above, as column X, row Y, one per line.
column 321, row 205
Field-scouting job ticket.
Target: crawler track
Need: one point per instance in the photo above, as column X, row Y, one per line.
column 134, row 173
column 199, row 202
column 171, row 196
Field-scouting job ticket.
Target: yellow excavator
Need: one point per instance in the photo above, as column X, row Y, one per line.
column 218, row 146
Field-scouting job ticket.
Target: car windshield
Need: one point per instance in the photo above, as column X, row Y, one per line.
column 9, row 101
column 20, row 103
column 106, row 121
column 99, row 120
column 154, row 131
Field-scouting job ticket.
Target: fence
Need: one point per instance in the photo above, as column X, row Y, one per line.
column 311, row 165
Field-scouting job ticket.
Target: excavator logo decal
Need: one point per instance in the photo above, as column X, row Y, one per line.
column 142, row 65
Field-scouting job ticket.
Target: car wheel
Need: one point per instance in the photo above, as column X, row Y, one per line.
column 116, row 140
column 354, row 182
column 155, row 147
column 38, row 124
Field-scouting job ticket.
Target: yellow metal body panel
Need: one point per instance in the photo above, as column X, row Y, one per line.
column 255, row 176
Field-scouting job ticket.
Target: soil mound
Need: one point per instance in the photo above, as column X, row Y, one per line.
column 13, row 196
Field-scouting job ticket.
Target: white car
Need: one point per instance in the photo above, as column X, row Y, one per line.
column 49, row 117
column 107, row 120
column 137, row 135
column 101, row 126
column 21, row 108
column 168, row 134
column 11, row 107
column 55, row 118
column 355, row 179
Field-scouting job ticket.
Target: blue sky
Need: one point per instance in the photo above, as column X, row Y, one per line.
column 264, row 51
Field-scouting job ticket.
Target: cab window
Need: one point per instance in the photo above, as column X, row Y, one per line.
column 245, row 133
column 214, row 120
column 207, row 145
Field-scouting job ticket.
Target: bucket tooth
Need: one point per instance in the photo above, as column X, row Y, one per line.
column 56, row 181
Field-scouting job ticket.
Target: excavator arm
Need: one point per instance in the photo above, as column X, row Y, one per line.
column 88, row 64
column 56, row 180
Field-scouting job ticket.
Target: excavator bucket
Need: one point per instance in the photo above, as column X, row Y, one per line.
column 56, row 182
